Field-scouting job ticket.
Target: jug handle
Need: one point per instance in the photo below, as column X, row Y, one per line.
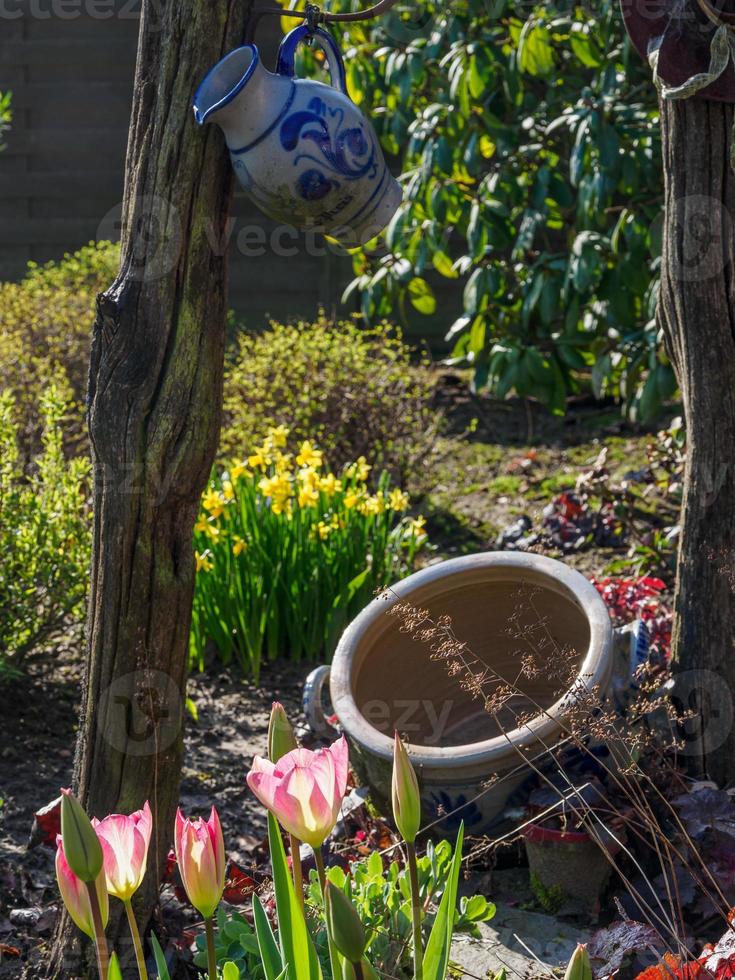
column 287, row 54
column 312, row 701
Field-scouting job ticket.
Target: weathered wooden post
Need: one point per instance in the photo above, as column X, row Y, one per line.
column 154, row 413
column 690, row 44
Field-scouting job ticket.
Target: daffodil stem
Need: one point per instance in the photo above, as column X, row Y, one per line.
column 333, row 957
column 100, row 942
column 298, row 880
column 418, row 947
column 211, row 954
column 137, row 944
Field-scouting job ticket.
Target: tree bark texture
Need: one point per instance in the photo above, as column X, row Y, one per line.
column 697, row 314
column 154, row 413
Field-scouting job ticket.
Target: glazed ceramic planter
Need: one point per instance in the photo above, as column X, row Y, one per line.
column 383, row 680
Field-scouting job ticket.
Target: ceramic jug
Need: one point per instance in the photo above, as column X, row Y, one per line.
column 303, row 151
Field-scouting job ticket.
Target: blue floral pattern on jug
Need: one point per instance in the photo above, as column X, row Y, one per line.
column 346, row 152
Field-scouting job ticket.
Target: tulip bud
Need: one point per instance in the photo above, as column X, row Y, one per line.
column 343, row 924
column 406, row 796
column 82, row 847
column 281, row 738
column 579, row 967
column 368, row 972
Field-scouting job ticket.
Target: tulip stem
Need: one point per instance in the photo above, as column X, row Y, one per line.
column 137, row 944
column 100, row 942
column 298, row 878
column 418, row 948
column 333, row 957
column 211, row 954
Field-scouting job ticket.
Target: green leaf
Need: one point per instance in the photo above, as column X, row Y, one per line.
column 422, row 296
column 269, row 953
column 436, row 957
column 230, row 971
column 444, row 265
column 158, row 955
column 297, row 950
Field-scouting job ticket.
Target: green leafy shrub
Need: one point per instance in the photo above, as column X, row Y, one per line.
column 530, row 151
column 382, row 900
column 45, row 331
column 287, row 552
column 353, row 391
column 45, row 532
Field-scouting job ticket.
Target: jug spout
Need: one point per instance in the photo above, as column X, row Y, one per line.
column 224, row 88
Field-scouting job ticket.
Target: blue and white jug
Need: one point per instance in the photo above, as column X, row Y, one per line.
column 302, row 150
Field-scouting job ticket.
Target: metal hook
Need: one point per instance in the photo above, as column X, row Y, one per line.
column 314, row 16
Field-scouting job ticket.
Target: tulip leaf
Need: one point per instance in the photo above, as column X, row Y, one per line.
column 436, row 957
column 297, row 950
column 269, row 953
column 113, row 970
column 160, row 958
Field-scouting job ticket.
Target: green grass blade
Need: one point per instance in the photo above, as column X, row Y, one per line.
column 436, row 957
column 297, row 950
column 269, row 953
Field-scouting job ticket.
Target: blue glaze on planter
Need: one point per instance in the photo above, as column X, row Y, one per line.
column 302, row 150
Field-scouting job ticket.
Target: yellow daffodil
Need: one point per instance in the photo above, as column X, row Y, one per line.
column 417, row 525
column 330, row 485
column 309, row 455
column 282, row 462
column 278, row 436
column 261, row 458
column 228, row 491
column 397, row 499
column 370, row 506
column 204, row 561
column 352, row 499
column 239, row 469
column 359, row 470
column 213, row 502
column 238, row 545
column 276, row 487
column 322, row 530
column 280, row 506
column 308, row 496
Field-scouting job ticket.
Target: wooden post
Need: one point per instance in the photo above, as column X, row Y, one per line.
column 154, row 414
column 697, row 313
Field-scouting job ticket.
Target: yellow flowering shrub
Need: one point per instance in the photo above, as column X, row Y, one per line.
column 353, row 391
column 287, row 551
column 45, row 533
column 45, row 332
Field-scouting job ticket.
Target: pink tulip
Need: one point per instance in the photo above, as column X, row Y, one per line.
column 303, row 790
column 75, row 895
column 200, row 853
column 125, row 843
